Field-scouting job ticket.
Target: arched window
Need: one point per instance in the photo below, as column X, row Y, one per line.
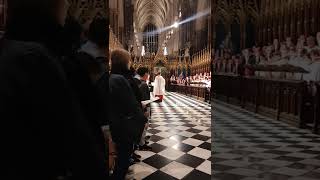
column 150, row 40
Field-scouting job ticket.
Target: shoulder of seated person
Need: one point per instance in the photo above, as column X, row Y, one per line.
column 27, row 54
column 116, row 76
column 22, row 48
column 118, row 79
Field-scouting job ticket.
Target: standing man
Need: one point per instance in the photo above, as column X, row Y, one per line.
column 159, row 86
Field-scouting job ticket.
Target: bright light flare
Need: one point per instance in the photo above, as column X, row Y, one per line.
column 175, row 25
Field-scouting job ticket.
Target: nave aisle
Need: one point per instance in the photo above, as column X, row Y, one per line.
column 181, row 140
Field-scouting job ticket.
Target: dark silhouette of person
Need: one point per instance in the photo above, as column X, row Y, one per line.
column 44, row 133
column 127, row 120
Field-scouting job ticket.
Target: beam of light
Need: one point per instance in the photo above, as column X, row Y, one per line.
column 176, row 24
column 198, row 15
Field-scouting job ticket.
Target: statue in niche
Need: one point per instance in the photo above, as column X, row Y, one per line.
column 147, row 49
column 318, row 38
column 227, row 43
column 187, row 49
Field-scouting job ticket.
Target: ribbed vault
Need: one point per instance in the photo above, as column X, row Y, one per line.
column 151, row 12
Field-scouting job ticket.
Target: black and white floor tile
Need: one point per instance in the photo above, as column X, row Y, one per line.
column 180, row 133
column 247, row 146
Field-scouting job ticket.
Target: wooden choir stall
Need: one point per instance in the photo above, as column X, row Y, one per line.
column 192, row 76
column 284, row 100
column 267, row 59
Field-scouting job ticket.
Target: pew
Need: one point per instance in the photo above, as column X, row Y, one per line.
column 199, row 92
column 282, row 100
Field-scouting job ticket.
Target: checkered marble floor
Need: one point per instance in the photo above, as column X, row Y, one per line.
column 180, row 133
column 247, row 146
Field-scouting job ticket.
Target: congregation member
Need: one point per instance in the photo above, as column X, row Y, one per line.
column 86, row 69
column 304, row 54
column 143, row 75
column 38, row 103
column 134, row 81
column 127, row 120
column 318, row 40
column 90, row 76
column 311, row 44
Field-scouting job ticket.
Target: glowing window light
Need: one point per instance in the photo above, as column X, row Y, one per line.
column 143, row 52
column 165, row 51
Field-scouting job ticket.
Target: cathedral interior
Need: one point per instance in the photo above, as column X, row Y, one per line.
column 265, row 84
column 242, row 91
column 172, row 37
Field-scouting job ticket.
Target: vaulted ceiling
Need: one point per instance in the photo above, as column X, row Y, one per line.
column 151, row 12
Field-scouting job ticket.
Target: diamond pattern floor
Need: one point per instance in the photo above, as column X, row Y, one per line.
column 180, row 133
column 247, row 146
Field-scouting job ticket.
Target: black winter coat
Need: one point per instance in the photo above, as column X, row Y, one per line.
column 43, row 132
column 127, row 120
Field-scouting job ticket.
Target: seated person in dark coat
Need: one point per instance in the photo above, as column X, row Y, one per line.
column 44, row 134
column 143, row 76
column 127, row 120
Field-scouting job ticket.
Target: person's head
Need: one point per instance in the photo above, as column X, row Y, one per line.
column 311, row 41
column 288, row 41
column 132, row 71
column 143, row 73
column 318, row 38
column 257, row 51
column 37, row 21
column 245, row 52
column 72, row 34
column 314, row 54
column 120, row 61
column 98, row 32
column 34, row 10
column 303, row 52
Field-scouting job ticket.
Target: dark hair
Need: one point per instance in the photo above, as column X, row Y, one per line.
column 34, row 20
column 132, row 71
column 98, row 32
column 304, row 51
column 142, row 71
column 72, row 35
column 28, row 7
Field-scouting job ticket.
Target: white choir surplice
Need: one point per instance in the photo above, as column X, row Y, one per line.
column 159, row 86
column 314, row 72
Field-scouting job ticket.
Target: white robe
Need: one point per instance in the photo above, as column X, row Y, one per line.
column 298, row 62
column 314, row 72
column 159, row 86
